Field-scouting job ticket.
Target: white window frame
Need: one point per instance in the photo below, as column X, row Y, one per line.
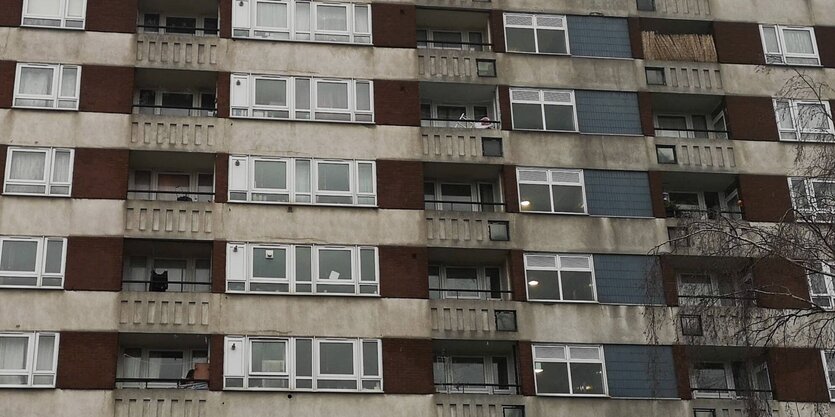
column 292, row 281
column 542, row 102
column 49, row 168
column 535, row 26
column 784, row 55
column 559, row 268
column 482, row 282
column 465, row 37
column 40, row 262
column 550, row 182
column 799, row 129
column 30, row 371
column 62, row 18
column 57, row 80
column 196, row 103
column 491, row 385
column 246, row 11
column 829, row 282
column 568, row 361
column 830, row 383
column 359, row 375
column 154, row 194
column 818, row 213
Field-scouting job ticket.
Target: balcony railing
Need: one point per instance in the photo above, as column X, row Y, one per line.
column 168, row 195
column 459, row 388
column 458, row 46
column 474, row 207
column 168, row 285
column 168, row 383
column 180, row 30
column 691, row 133
column 466, row 294
column 461, row 123
column 703, row 214
column 733, row 393
column 169, row 110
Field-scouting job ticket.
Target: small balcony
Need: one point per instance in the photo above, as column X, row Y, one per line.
column 163, row 361
column 167, row 266
column 174, row 93
column 475, row 367
column 683, row 116
column 177, row 34
column 711, row 281
column 675, row 8
column 459, row 106
column 470, row 275
column 701, row 196
column 463, row 188
column 171, row 176
column 455, row 46
column 729, row 373
column 192, row 17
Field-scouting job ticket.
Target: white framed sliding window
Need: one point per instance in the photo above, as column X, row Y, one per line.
column 28, row 360
column 569, row 370
column 63, row 14
column 38, row 171
column 814, row 197
column 549, row 110
column 47, row 86
column 298, row 20
column 789, row 45
column 544, row 190
column 560, row 277
column 302, row 269
column 32, row 262
column 302, row 364
column 536, row 33
column 804, row 120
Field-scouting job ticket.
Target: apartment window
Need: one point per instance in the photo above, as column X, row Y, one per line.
column 449, row 39
column 302, row 181
column 486, row 67
column 814, row 197
column 666, row 154
column 549, row 110
column 829, row 369
column 731, row 379
column 175, row 103
column 170, row 185
column 302, row 21
column 536, row 33
column 555, row 278
column 789, row 45
column 161, row 23
column 465, row 282
column 691, row 324
column 656, row 76
column 293, row 98
column 804, row 120
column 167, row 274
column 492, row 147
column 458, row 374
column 822, row 284
column 28, row 360
column 32, row 262
column 47, row 86
column 569, row 370
column 38, row 171
column 302, row 269
column 160, row 368
column 302, row 364
column 551, row 190
column 67, row 14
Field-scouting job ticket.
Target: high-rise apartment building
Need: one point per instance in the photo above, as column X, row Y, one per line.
column 443, row 208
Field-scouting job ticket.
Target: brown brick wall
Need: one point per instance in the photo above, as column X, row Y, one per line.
column 112, row 15
column 87, row 360
column 496, row 22
column 765, row 198
column 106, row 89
column 525, row 368
column 407, row 366
column 518, row 281
column 826, row 47
column 738, row 43
column 504, row 107
column 397, row 103
column 645, row 109
column 100, row 173
column 221, row 177
column 797, row 375
column 216, row 362
column 656, row 190
column 3, row 150
column 219, row 266
column 636, row 41
column 223, row 94
column 404, row 272
column 225, row 18
column 11, row 12
column 682, row 372
column 400, row 184
column 751, row 118
column 7, row 73
column 510, row 188
column 94, row 263
column 781, row 284
column 394, row 25
column 669, row 283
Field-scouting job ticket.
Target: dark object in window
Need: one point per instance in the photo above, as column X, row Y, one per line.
column 704, row 412
column 513, row 411
column 691, row 325
column 159, row 281
column 666, row 154
column 498, row 230
column 505, row 320
column 646, row 5
column 492, row 147
column 486, row 67
column 656, row 76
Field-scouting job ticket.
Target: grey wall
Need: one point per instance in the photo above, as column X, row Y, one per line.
column 608, row 112
column 626, row 279
column 599, row 36
column 640, row 371
column 618, row 193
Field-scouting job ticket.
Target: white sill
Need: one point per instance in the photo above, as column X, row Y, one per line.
column 28, row 386
column 540, row 301
column 37, row 195
column 539, row 394
column 279, row 119
column 303, row 294
column 81, row 29
column 342, row 391
column 42, row 108
column 257, row 38
column 285, row 203
column 553, row 212
column 30, row 287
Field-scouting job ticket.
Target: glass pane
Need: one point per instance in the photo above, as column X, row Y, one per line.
column 534, row 197
column 304, row 357
column 303, row 263
column 551, row 378
column 165, row 365
column 46, row 352
column 527, row 116
column 19, row 256
column 447, row 39
column 271, row 175
column 587, row 378
column 302, row 176
column 335, row 264
column 27, row 165
column 520, row 40
column 269, row 356
column 180, row 24
column 13, row 353
column 370, row 360
column 302, row 17
column 333, row 177
column 46, row 8
column 467, row 371
column 543, row 285
column 568, row 199
column 368, row 265
column 784, row 115
column 303, row 93
column 812, row 117
column 451, row 193
column 37, row 81
column 269, row 263
column 69, row 78
column 336, row 358
column 361, row 23
column 54, row 256
column 271, row 92
column 366, row 178
column 462, row 279
column 75, row 8
column 271, row 15
column 61, row 167
column 559, row 117
column 710, row 376
column 798, row 41
column 577, row 286
column 331, row 95
column 551, row 41
column 331, row 18
column 772, row 45
column 363, row 96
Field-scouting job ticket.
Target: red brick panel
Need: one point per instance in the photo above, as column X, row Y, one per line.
column 738, row 43
column 407, row 366
column 645, row 109
column 496, row 22
column 225, row 17
column 216, row 346
column 765, row 198
column 826, row 47
column 219, row 266
column 636, row 40
column 780, row 284
column 797, row 375
column 518, row 281
column 94, row 263
column 525, row 368
column 404, row 272
column 397, row 103
column 223, row 94
column 751, row 118
column 112, row 15
column 106, row 89
column 656, row 190
column 394, row 25
column 511, row 191
column 11, row 12
column 504, row 108
column 669, row 283
column 87, row 360
column 7, row 74
column 100, row 173
column 221, row 177
column 400, row 185
column 682, row 367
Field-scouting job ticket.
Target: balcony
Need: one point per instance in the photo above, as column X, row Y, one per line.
column 701, row 196
column 175, row 93
column 687, row 9
column 727, row 373
column 153, row 132
column 468, row 275
column 167, row 266
column 163, row 361
column 454, row 46
column 459, row 106
column 475, row 367
column 463, row 188
column 178, row 34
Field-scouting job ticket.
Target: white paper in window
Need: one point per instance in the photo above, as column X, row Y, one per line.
column 233, row 357
column 235, row 262
column 240, row 91
column 240, row 13
column 238, row 173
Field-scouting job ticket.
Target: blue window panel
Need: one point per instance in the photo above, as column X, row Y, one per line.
column 618, row 193
column 628, row 279
column 608, row 112
column 599, row 36
column 637, row 371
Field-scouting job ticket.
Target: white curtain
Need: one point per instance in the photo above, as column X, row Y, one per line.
column 46, row 352
column 366, row 180
column 61, row 167
column 798, row 41
column 75, row 8
column 13, row 353
column 271, row 15
column 27, row 166
column 361, row 19
column 36, row 81
column 333, row 177
column 69, row 77
column 771, row 43
column 363, row 96
column 303, row 17
column 332, row 95
column 331, row 18
column 131, row 363
column 45, row 7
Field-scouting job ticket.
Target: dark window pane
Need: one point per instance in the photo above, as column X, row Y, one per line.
column 543, row 285
column 551, row 378
column 568, row 199
column 520, row 40
column 534, row 197
column 559, row 118
column 577, row 285
column 551, row 41
column 527, row 116
column 587, row 378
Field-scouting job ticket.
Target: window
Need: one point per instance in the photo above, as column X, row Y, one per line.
column 465, row 282
column 513, row 411
column 28, row 360
column 469, row 115
column 487, row 374
column 47, row 86
column 38, row 171
column 829, row 369
column 789, row 45
column 666, row 154
column 486, row 67
column 699, row 126
column 646, row 5
column 731, row 379
column 175, row 103
column 656, row 76
column 302, row 269
column 167, row 274
column 300, row 20
column 170, row 185
column 569, row 370
column 302, row 364
column 292, row 98
column 553, row 277
column 67, row 14
column 141, row 367
column 451, row 39
column 475, row 196
column 492, row 147
column 32, row 262
column 814, row 197
column 498, row 230
column 161, row 23
column 822, row 284
column 302, row 181
column 691, row 324
column 551, row 190
column 804, row 120
column 506, row 320
column 550, row 110
column 536, row 33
